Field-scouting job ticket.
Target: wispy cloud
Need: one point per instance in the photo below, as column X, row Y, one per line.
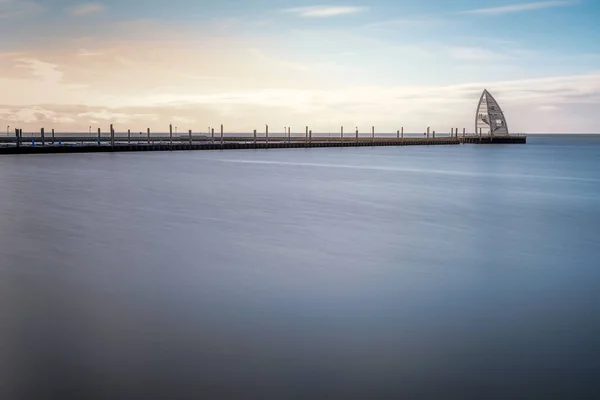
column 85, row 9
column 324, row 11
column 12, row 9
column 514, row 8
column 411, row 22
column 475, row 54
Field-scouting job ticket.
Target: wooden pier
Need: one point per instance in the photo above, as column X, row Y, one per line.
column 487, row 139
column 39, row 143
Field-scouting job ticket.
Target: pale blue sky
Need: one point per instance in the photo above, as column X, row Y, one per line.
column 335, row 59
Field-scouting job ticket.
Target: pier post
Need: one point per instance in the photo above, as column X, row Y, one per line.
column 267, row 135
column 148, row 133
column 451, row 132
column 356, row 134
column 212, row 135
column 43, row 137
column 434, row 134
column 190, row 137
column 398, row 134
column 98, row 136
column 310, row 137
column 171, row 136
column 373, row 133
column 342, row 134
column 129, row 136
column 427, row 132
column 306, row 137
column 255, row 138
column 221, row 134
column 52, row 135
column 289, row 132
column 402, row 132
column 112, row 136
column 464, row 131
column 18, row 138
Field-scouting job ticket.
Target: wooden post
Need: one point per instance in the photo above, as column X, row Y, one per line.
column 402, row 132
column 129, row 136
column 398, row 134
column 289, row 134
column 112, row 136
column 434, row 134
column 357, row 134
column 464, row 131
column 427, row 132
column 98, row 137
column 306, row 136
column 148, row 133
column 373, row 135
column 52, row 135
column 310, row 136
column 255, row 137
column 18, row 137
column 171, row 135
column 43, row 137
column 212, row 134
column 342, row 134
column 221, row 134
column 267, row 135
column 190, row 137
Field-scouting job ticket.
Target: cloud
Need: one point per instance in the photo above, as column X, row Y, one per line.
column 411, row 22
column 514, row 8
column 476, row 54
column 325, row 11
column 13, row 9
column 86, row 9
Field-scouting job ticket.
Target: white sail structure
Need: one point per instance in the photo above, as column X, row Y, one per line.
column 489, row 119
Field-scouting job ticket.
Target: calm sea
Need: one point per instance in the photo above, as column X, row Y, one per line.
column 421, row 272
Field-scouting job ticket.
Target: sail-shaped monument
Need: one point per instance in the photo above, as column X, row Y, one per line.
column 489, row 119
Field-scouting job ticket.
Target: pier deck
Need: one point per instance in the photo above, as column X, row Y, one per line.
column 80, row 144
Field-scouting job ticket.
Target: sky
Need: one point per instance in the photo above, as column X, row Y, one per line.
column 69, row 65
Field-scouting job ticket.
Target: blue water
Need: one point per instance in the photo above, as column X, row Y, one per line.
column 420, row 272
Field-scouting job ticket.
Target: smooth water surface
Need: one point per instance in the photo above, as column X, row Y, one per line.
column 438, row 271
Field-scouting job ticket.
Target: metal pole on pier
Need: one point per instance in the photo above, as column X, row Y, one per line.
column 98, row 137
column 464, row 131
column 221, row 134
column 434, row 134
column 427, row 132
column 267, row 135
column 402, row 132
column 398, row 134
column 306, row 136
column 52, row 135
column 190, row 137
column 171, row 136
column 148, row 132
column 129, row 136
column 212, row 135
column 373, row 134
column 43, row 137
column 255, row 138
column 112, row 136
column 342, row 133
column 310, row 136
column 18, row 137
column 289, row 134
column 357, row 134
